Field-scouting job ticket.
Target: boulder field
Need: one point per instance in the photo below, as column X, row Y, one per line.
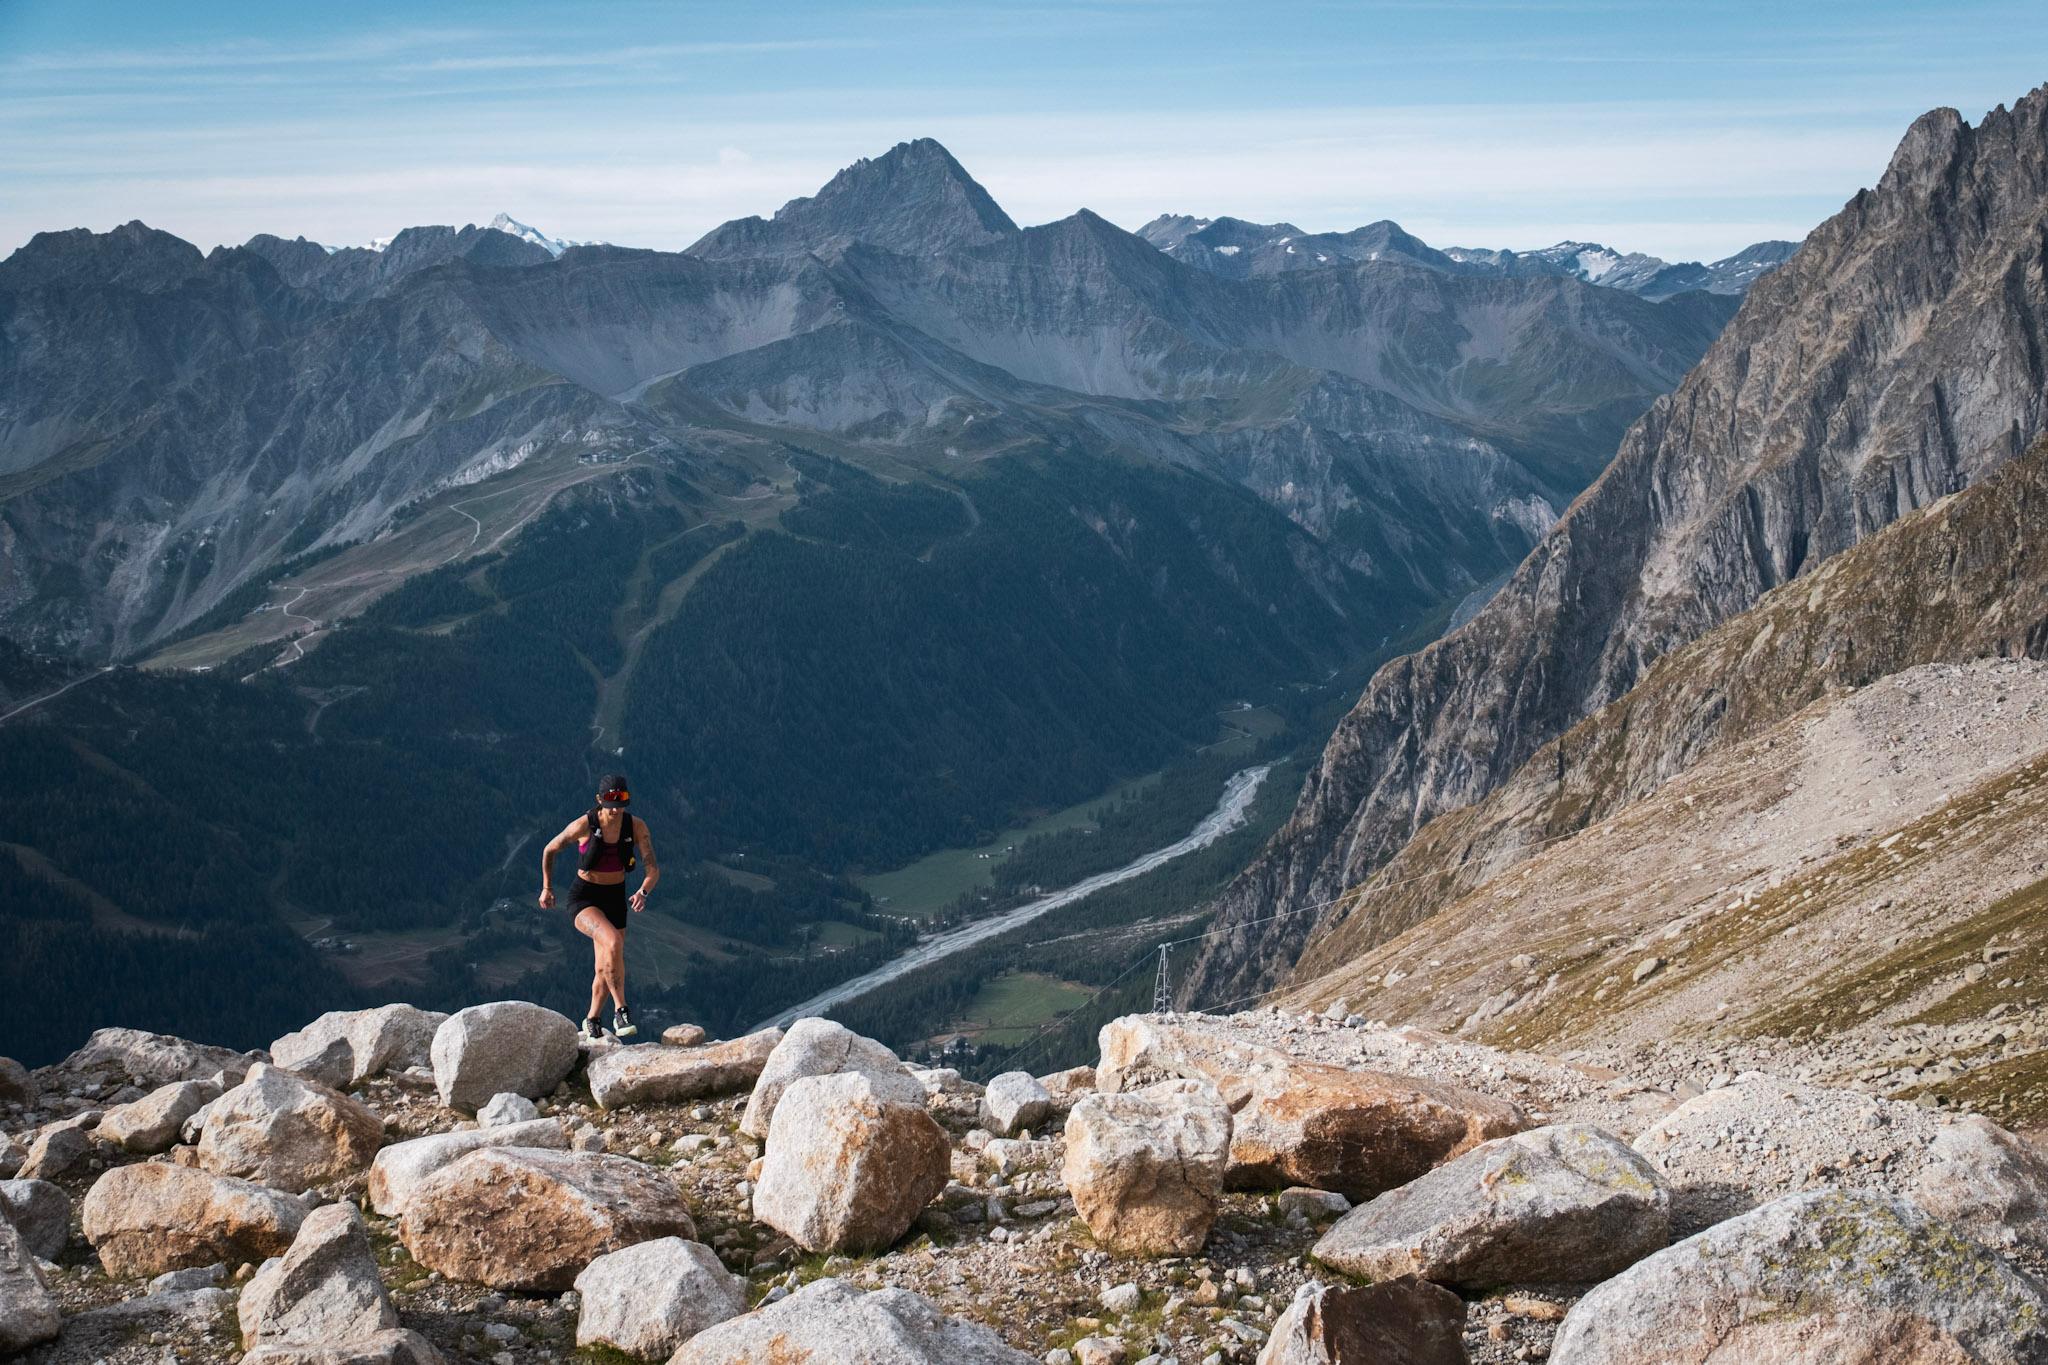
column 1263, row 1188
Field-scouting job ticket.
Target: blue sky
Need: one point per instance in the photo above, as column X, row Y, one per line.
column 1685, row 130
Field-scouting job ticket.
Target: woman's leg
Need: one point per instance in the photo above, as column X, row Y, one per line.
column 607, row 946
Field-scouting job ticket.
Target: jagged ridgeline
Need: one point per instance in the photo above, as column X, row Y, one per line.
column 854, row 533
column 1895, row 359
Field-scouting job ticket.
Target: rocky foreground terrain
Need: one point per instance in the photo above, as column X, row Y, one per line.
column 396, row 1186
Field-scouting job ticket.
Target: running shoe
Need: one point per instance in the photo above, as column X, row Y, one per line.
column 592, row 1030
column 622, row 1023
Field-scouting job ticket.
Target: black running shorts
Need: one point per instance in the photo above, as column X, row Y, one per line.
column 610, row 899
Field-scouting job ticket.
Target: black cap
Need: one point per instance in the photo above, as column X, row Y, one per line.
column 614, row 792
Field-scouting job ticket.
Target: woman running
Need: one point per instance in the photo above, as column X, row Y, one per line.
column 612, row 841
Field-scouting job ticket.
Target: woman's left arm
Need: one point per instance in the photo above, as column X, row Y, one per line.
column 650, row 865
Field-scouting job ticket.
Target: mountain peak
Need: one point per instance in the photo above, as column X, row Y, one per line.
column 133, row 255
column 526, row 232
column 914, row 199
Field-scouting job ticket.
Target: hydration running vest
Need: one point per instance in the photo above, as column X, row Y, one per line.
column 593, row 843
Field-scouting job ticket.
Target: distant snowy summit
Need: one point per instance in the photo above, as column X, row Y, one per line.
column 504, row 223
column 554, row 246
column 1241, row 249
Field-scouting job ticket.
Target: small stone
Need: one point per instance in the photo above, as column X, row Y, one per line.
column 505, row 1108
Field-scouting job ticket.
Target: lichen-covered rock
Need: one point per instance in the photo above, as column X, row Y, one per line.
column 1146, row 1167
column 1013, row 1102
column 280, row 1129
column 152, row 1124
column 324, row 1289
column 40, row 1211
column 1562, row 1205
column 659, row 1072
column 342, row 1048
column 1406, row 1321
column 152, row 1217
column 400, row 1168
column 1304, row 1123
column 1989, row 1183
column 849, row 1164
column 1822, row 1276
column 819, row 1047
column 829, row 1322
column 398, row 1346
column 648, row 1299
column 507, row 1045
column 28, row 1310
column 527, row 1218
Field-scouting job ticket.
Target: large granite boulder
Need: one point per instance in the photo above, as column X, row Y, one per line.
column 1406, row 1321
column 1145, row 1167
column 531, row 1219
column 342, row 1048
column 829, row 1322
column 151, row 1059
column 508, row 1045
column 152, row 1217
column 650, row 1298
column 152, row 1124
column 849, row 1164
column 278, row 1128
column 1563, row 1205
column 1823, row 1276
column 656, row 1072
column 324, row 1289
column 400, row 1168
column 1988, row 1183
column 28, row 1310
column 1013, row 1102
column 1297, row 1122
column 397, row 1346
column 819, row 1047
column 40, row 1211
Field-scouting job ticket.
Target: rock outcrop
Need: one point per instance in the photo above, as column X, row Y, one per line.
column 149, row 1218
column 527, row 1218
column 662, row 1072
column 1145, row 1167
column 507, row 1045
column 829, row 1322
column 1558, row 1205
column 282, row 1130
column 849, row 1162
column 1821, row 1276
column 1891, row 361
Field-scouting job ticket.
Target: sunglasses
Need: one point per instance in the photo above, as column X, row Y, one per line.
column 620, row 795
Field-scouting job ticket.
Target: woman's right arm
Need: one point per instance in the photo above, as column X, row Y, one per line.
column 569, row 835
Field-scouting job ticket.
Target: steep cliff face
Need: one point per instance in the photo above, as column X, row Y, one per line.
column 1964, row 579
column 1898, row 357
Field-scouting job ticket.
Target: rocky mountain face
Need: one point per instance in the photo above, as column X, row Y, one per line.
column 1895, row 359
column 1237, row 249
column 175, row 427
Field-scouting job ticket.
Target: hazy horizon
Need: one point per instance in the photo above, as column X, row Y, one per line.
column 1687, row 135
